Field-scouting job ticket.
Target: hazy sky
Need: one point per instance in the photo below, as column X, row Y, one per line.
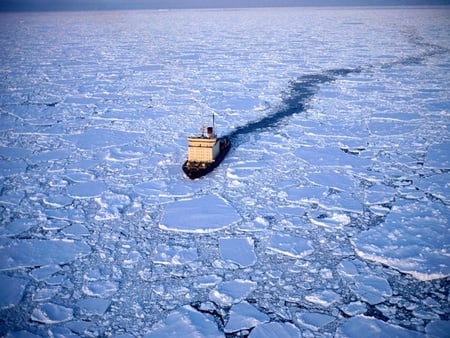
column 7, row 5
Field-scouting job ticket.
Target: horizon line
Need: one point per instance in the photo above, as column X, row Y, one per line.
column 93, row 8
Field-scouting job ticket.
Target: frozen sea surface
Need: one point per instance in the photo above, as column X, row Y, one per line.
column 329, row 217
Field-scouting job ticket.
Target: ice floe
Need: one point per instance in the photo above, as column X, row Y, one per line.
column 34, row 252
column 292, row 246
column 185, row 322
column 313, row 321
column 231, row 292
column 11, row 291
column 173, row 255
column 402, row 243
column 372, row 327
column 86, row 189
column 204, row 214
column 244, row 316
column 93, row 305
column 49, row 313
column 329, row 216
column 238, row 250
column 99, row 138
column 275, row 329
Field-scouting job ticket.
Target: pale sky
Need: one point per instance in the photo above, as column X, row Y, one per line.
column 11, row 5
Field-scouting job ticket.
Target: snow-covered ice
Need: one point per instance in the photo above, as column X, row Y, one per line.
column 204, row 214
column 231, row 292
column 49, row 313
column 328, row 217
column 238, row 250
column 186, row 322
column 371, row 327
column 35, row 252
column 292, row 246
column 244, row 316
column 11, row 291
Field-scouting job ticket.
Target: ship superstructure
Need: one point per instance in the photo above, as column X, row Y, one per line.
column 205, row 152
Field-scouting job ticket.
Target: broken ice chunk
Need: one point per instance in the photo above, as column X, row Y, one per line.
column 232, row 292
column 88, row 189
column 93, row 306
column 11, row 291
column 33, row 252
column 414, row 239
column 49, row 313
column 292, row 246
column 174, row 255
column 244, row 316
column 313, row 320
column 275, row 329
column 238, row 250
column 185, row 322
column 325, row 298
column 438, row 156
column 100, row 288
column 372, row 289
column 372, row 327
column 438, row 328
column 200, row 215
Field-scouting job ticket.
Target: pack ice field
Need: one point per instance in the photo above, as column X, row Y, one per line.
column 328, row 217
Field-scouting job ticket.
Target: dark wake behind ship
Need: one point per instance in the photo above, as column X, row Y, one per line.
column 207, row 152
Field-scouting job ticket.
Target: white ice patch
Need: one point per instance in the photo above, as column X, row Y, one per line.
column 330, row 157
column 95, row 138
column 200, row 215
column 313, row 320
column 414, row 239
column 324, row 298
column 11, row 291
column 438, row 328
column 371, row 289
column 185, row 322
column 100, row 288
column 204, row 282
column 49, row 313
column 17, row 226
column 174, row 255
column 437, row 186
column 244, row 316
column 45, row 272
column 353, row 309
column 86, row 189
column 57, row 201
column 238, row 250
column 332, row 179
column 275, row 329
column 93, row 305
column 11, row 168
column 112, row 205
column 292, row 246
column 368, row 286
column 438, row 156
column 34, row 252
column 232, row 292
column 371, row 327
column 334, row 220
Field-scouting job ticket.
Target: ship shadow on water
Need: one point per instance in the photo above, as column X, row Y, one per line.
column 295, row 100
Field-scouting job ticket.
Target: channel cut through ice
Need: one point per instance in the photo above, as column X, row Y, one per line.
column 329, row 217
